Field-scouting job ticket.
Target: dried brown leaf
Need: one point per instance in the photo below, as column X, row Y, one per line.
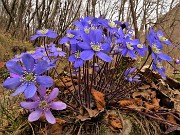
column 56, row 129
column 99, row 99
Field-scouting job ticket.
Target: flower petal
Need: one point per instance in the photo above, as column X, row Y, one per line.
column 64, row 40
column 58, row 105
column 87, row 54
column 165, row 57
column 30, row 90
column 35, row 115
column 34, row 37
column 14, row 67
column 84, row 45
column 29, row 105
column 78, row 63
column 104, row 56
column 44, row 81
column 12, row 83
column 49, row 117
column 28, row 61
column 106, row 47
column 19, row 90
column 42, row 91
column 53, row 94
column 72, row 58
column 41, row 67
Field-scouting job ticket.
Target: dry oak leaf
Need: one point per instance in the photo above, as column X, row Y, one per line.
column 171, row 118
column 2, row 64
column 57, row 128
column 115, row 122
column 99, row 99
column 128, row 102
column 148, row 106
column 155, row 102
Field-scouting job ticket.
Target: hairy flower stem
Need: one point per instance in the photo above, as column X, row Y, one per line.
column 59, row 78
column 87, row 88
column 79, row 85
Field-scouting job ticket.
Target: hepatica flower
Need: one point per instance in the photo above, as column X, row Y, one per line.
column 24, row 78
column 129, row 77
column 177, row 61
column 43, row 105
column 93, row 45
column 44, row 33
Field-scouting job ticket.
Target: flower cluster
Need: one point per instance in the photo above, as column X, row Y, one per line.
column 156, row 41
column 27, row 75
column 101, row 38
column 94, row 41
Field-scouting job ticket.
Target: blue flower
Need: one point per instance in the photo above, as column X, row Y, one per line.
column 177, row 61
column 156, row 45
column 44, row 33
column 25, row 79
column 163, row 39
column 92, row 44
column 75, row 57
column 129, row 77
column 56, row 51
column 43, row 104
column 157, row 66
column 71, row 36
column 129, row 47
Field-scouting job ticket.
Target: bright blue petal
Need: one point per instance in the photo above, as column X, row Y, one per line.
column 104, row 56
column 45, row 81
column 14, row 67
column 12, row 83
column 84, row 45
column 124, row 52
column 87, row 54
column 41, row 67
column 34, row 37
column 72, row 58
column 30, row 90
column 28, row 62
column 51, row 34
column 164, row 57
column 132, row 54
column 106, row 47
column 78, row 63
column 64, row 40
column 19, row 90
column 98, row 35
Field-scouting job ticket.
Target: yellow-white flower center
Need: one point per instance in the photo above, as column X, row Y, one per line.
column 30, row 77
column 155, row 49
column 70, row 35
column 86, row 30
column 162, row 38
column 129, row 46
column 111, row 24
column 96, row 47
column 43, row 31
column 77, row 54
column 159, row 65
column 43, row 105
column 140, row 46
column 59, row 49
